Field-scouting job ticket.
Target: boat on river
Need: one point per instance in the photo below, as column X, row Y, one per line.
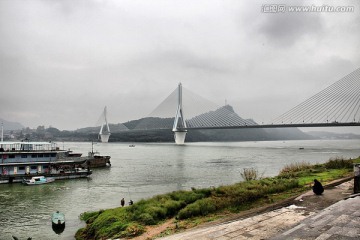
column 25, row 159
column 58, row 222
column 38, row 180
column 96, row 160
column 58, row 219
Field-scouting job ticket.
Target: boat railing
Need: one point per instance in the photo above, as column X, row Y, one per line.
column 28, row 146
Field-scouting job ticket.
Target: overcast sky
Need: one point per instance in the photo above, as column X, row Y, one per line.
column 61, row 62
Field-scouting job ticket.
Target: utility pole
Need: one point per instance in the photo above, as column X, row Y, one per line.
column 2, row 131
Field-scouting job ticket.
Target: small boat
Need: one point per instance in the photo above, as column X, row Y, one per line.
column 132, row 145
column 58, row 222
column 38, row 180
column 58, row 219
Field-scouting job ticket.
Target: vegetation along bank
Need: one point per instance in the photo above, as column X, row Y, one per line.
column 189, row 208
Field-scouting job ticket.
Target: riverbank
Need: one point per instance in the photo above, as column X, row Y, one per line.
column 187, row 209
column 271, row 222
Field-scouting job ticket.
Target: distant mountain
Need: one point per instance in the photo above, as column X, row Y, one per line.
column 331, row 135
column 212, row 118
column 223, row 116
column 150, row 123
column 154, row 129
column 288, row 134
column 11, row 125
column 208, row 135
column 113, row 128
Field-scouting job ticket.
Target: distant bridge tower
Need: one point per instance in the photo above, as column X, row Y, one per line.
column 104, row 132
column 179, row 125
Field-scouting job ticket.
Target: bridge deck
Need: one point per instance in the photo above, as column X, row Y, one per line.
column 295, row 125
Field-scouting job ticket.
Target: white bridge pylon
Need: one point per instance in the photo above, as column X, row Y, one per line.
column 104, row 133
column 179, row 121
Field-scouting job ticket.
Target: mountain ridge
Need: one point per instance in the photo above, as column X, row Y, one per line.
column 8, row 125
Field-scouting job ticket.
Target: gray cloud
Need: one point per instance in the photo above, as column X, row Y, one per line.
column 285, row 30
column 61, row 62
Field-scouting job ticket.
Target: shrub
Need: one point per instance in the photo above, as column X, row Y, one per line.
column 338, row 163
column 249, row 174
column 89, row 217
column 206, row 206
column 245, row 196
column 133, row 230
column 188, row 196
column 199, row 208
column 172, row 207
column 155, row 209
column 146, row 219
column 112, row 229
column 157, row 212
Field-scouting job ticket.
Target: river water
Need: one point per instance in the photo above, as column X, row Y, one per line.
column 146, row 170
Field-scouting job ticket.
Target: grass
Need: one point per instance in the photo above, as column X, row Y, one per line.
column 294, row 169
column 193, row 207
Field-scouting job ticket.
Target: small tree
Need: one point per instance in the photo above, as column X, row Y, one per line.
column 249, row 174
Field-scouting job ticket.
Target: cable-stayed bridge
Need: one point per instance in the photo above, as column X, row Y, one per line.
column 335, row 106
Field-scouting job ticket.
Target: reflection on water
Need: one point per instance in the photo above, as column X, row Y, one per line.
column 58, row 230
column 146, row 170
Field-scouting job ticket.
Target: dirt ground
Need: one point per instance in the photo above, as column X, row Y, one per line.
column 301, row 207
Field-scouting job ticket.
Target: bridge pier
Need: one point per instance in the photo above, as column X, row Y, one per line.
column 180, row 137
column 179, row 121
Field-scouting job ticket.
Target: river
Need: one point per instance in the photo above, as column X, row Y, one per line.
column 146, row 170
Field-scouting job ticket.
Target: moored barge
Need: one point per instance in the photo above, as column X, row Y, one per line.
column 96, row 160
column 19, row 160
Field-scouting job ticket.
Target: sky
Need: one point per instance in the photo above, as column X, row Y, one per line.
column 62, row 62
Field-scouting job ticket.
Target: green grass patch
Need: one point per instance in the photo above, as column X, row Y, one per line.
column 325, row 176
column 199, row 205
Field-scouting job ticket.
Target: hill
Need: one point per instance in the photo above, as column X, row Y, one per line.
column 153, row 129
column 332, row 135
column 11, row 125
column 145, row 129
